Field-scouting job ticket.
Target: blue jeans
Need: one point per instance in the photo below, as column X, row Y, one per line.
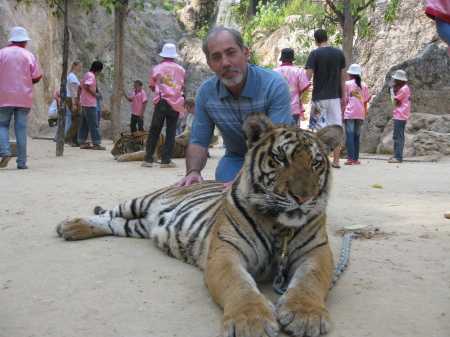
column 399, row 138
column 295, row 119
column 352, row 135
column 68, row 122
column 228, row 167
column 443, row 30
column 20, row 129
column 89, row 124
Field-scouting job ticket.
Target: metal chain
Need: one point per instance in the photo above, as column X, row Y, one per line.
column 405, row 160
column 278, row 282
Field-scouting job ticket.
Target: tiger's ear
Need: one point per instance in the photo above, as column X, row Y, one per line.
column 331, row 136
column 255, row 126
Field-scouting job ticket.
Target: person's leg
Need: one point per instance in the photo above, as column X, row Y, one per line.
column 133, row 123
column 72, row 131
column 140, row 124
column 334, row 117
column 443, row 30
column 178, row 129
column 399, row 138
column 350, row 138
column 5, row 121
column 84, row 129
column 228, row 167
column 356, row 141
column 171, row 128
column 295, row 119
column 154, row 131
column 90, row 115
column 20, row 129
column 68, row 120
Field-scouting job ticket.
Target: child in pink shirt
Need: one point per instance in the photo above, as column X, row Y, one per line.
column 138, row 98
column 357, row 96
column 402, row 111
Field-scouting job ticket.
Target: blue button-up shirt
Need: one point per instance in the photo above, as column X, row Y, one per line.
column 265, row 91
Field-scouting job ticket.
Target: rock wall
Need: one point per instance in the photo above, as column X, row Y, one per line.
column 91, row 38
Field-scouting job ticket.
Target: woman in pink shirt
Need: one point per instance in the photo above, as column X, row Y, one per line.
column 402, row 111
column 357, row 96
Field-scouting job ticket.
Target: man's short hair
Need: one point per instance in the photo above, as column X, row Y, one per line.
column 320, row 35
column 139, row 82
column 96, row 66
column 189, row 102
column 236, row 35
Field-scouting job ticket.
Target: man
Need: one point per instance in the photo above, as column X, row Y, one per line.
column 226, row 99
column 327, row 64
column 88, row 93
column 167, row 83
column 19, row 71
column 297, row 81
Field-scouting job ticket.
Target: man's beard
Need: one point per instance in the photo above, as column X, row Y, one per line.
column 232, row 81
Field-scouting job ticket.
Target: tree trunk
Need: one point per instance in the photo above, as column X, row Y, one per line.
column 63, row 93
column 119, row 41
column 348, row 33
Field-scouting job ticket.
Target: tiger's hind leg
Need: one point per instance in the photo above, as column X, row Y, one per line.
column 90, row 227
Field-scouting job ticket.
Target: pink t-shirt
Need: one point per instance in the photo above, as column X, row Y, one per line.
column 356, row 97
column 168, row 80
column 138, row 98
column 403, row 111
column 87, row 99
column 438, row 8
column 297, row 82
column 18, row 71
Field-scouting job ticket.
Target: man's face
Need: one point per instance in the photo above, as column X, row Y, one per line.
column 227, row 60
column 189, row 109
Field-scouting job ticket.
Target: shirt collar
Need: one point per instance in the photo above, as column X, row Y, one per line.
column 249, row 88
column 168, row 60
column 286, row 64
column 16, row 45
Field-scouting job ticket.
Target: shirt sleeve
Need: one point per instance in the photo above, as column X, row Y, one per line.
column 202, row 125
column 401, row 94
column 279, row 110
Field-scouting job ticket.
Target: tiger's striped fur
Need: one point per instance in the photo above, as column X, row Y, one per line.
column 237, row 237
column 132, row 147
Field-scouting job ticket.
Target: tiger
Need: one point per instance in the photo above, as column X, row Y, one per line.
column 132, row 147
column 275, row 211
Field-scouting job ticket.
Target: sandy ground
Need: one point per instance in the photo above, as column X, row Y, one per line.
column 396, row 284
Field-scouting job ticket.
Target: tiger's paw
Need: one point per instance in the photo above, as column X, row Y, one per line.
column 250, row 320
column 79, row 229
column 303, row 318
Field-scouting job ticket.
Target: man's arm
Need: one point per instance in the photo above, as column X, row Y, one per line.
column 342, row 80
column 196, row 158
column 309, row 73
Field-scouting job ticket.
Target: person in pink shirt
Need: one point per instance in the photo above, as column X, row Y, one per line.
column 19, row 71
column 439, row 11
column 402, row 112
column 167, row 83
column 138, row 98
column 357, row 96
column 297, row 81
column 87, row 91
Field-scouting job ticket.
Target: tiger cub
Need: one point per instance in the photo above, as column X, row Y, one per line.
column 237, row 237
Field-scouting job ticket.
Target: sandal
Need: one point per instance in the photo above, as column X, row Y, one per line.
column 335, row 166
column 99, row 148
column 349, row 162
column 168, row 165
column 85, row 147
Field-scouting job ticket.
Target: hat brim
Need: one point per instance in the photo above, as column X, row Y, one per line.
column 287, row 59
column 171, row 56
column 404, row 79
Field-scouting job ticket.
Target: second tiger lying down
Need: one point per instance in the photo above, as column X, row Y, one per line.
column 237, row 237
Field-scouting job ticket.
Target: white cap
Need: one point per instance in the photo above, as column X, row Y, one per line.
column 169, row 51
column 19, row 34
column 354, row 69
column 400, row 75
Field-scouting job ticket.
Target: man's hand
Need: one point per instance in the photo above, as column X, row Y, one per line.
column 191, row 178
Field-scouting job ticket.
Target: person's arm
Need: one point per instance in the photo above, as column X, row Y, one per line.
column 279, row 103
column 196, row 158
column 144, row 105
column 74, row 98
column 127, row 97
column 309, row 73
column 342, row 80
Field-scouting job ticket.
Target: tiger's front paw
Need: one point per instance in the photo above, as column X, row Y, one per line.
column 78, row 229
column 302, row 317
column 252, row 319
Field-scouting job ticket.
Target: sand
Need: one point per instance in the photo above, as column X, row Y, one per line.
column 396, row 282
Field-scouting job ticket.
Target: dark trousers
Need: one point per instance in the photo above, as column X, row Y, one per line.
column 163, row 112
column 137, row 124
column 72, row 131
column 399, row 138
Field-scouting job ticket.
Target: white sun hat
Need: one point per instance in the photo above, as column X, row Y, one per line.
column 19, row 34
column 354, row 69
column 169, row 51
column 400, row 75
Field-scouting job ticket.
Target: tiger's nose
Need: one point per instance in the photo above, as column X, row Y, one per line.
column 302, row 198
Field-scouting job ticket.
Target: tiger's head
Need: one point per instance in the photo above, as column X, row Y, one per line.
column 129, row 143
column 286, row 174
